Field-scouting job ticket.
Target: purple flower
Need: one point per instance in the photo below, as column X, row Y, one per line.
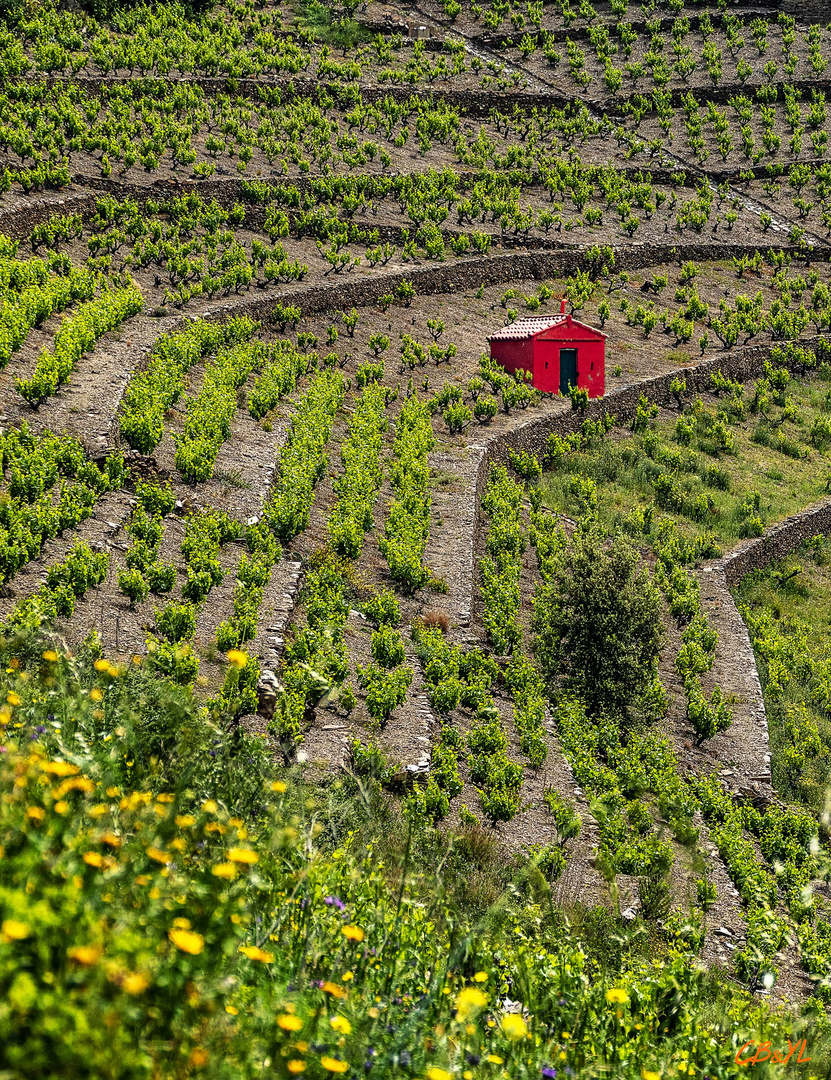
column 549, row 1073
column 40, row 729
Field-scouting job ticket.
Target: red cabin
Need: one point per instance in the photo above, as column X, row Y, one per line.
column 558, row 350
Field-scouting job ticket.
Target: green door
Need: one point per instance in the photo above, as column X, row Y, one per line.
column 568, row 369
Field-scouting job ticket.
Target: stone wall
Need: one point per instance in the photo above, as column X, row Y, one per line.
column 778, row 541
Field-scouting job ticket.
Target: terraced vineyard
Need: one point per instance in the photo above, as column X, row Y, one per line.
column 253, row 445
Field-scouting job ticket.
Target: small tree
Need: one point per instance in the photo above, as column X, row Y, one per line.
column 597, row 622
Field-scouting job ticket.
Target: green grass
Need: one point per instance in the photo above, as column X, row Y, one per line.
column 772, row 471
column 796, row 591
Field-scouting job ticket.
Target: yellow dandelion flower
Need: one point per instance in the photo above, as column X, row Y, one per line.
column 237, row 657
column 101, row 665
column 352, row 933
column 347, row 976
column 243, row 855
column 158, row 855
column 13, row 698
column 36, row 813
column 84, row 954
column 135, row 983
column 77, row 783
column 295, row 1066
column 232, row 1010
column 61, row 806
column 254, row 953
column 198, row 1057
column 50, row 655
column 333, row 989
column 209, row 807
column 435, row 1073
column 289, row 1022
column 92, row 858
column 341, row 1025
column 188, row 941
column 184, row 821
column 225, row 870
column 333, row 1065
column 280, row 788
column 13, row 930
column 469, row 1001
column 96, row 694
column 495, row 1059
column 480, row 976
column 617, row 996
column 182, row 923
column 647, row 1074
column 513, row 1027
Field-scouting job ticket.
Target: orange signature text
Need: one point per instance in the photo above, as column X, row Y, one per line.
column 765, row 1052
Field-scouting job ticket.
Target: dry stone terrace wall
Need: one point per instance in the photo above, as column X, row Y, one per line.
column 777, row 542
column 476, row 103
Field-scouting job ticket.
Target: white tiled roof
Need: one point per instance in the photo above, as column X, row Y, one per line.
column 527, row 327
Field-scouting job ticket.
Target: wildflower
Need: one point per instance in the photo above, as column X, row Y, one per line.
column 184, row 821
column 92, row 858
column 335, row 1066
column 225, row 870
column 237, row 657
column 617, row 996
column 280, row 788
column 187, row 941
column 77, row 783
column 13, row 698
column 232, row 1010
column 549, row 1073
column 435, row 1073
column 333, row 989
column 341, row 1025
column 243, row 855
column 254, row 953
column 352, row 933
column 209, row 807
column 182, row 924
column 135, row 983
column 469, row 1001
column 50, row 655
column 480, row 976
column 198, row 1056
column 647, row 1074
column 347, row 976
column 495, row 1059
column 158, row 855
column 13, row 930
column 295, row 1066
column 334, row 901
column 288, row 1022
column 514, row 1027
column 96, row 694
column 36, row 813
column 84, row 954
column 61, row 806
column 101, row 665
